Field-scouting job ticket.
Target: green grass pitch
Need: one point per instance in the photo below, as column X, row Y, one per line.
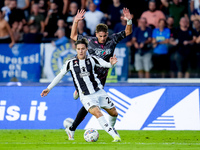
column 131, row 140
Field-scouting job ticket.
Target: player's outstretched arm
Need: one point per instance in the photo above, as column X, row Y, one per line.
column 113, row 60
column 128, row 17
column 77, row 18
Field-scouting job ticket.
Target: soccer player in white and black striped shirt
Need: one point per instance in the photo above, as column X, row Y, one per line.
column 89, row 87
column 103, row 46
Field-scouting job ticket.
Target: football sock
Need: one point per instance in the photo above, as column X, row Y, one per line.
column 106, row 126
column 79, row 118
column 112, row 120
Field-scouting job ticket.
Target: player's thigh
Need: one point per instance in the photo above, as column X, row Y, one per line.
column 89, row 101
column 112, row 112
column 105, row 101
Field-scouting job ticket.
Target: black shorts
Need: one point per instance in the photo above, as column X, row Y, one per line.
column 183, row 63
column 160, row 62
column 5, row 40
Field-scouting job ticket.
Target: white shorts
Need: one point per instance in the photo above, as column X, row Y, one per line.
column 99, row 98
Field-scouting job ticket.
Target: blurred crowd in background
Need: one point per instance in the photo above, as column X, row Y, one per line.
column 164, row 42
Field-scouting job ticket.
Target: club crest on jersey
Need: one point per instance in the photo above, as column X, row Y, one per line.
column 84, row 72
column 75, row 63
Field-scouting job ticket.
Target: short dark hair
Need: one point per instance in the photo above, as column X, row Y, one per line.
column 101, row 28
column 82, row 41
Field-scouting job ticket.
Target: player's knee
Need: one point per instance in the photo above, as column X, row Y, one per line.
column 115, row 114
column 94, row 110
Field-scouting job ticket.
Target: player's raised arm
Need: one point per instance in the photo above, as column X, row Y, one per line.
column 77, row 18
column 128, row 17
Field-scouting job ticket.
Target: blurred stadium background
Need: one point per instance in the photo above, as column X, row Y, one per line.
column 27, row 67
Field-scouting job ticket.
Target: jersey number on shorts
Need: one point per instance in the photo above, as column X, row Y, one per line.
column 108, row 100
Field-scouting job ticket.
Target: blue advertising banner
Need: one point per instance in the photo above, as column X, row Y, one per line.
column 21, row 62
column 139, row 107
column 122, row 55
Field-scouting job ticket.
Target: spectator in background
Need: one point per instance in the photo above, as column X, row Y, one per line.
column 142, row 43
column 73, row 8
column 172, row 47
column 160, row 42
column 36, row 19
column 51, row 20
column 6, row 35
column 195, row 14
column 16, row 14
column 62, row 6
column 184, row 38
column 176, row 9
column 152, row 15
column 43, row 7
column 93, row 17
column 62, row 39
column 17, row 31
column 24, row 6
column 194, row 4
column 82, row 29
column 25, row 29
column 197, row 43
column 96, row 2
column 33, row 36
column 6, row 10
column 113, row 13
column 120, row 27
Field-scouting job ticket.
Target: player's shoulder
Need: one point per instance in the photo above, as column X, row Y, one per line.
column 70, row 60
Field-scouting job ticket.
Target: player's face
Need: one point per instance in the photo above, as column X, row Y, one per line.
column 102, row 36
column 81, row 51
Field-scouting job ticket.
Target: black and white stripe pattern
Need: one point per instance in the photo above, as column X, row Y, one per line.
column 82, row 71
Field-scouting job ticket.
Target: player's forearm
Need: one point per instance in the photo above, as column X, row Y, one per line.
column 74, row 32
column 56, row 80
column 128, row 29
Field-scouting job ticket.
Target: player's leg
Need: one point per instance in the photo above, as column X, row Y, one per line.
column 91, row 103
column 95, row 110
column 107, row 104
column 79, row 118
column 112, row 115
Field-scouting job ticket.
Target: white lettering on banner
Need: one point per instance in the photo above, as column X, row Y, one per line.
column 12, row 113
column 17, row 73
column 20, row 60
column 14, row 68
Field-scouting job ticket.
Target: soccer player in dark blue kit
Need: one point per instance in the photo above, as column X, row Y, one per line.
column 102, row 46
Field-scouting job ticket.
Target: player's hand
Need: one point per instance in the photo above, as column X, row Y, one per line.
column 79, row 15
column 45, row 92
column 113, row 60
column 127, row 14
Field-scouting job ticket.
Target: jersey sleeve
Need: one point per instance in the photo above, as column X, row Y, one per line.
column 63, row 71
column 117, row 37
column 101, row 63
column 79, row 37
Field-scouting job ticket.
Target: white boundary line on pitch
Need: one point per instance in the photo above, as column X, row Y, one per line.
column 64, row 143
column 172, row 143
